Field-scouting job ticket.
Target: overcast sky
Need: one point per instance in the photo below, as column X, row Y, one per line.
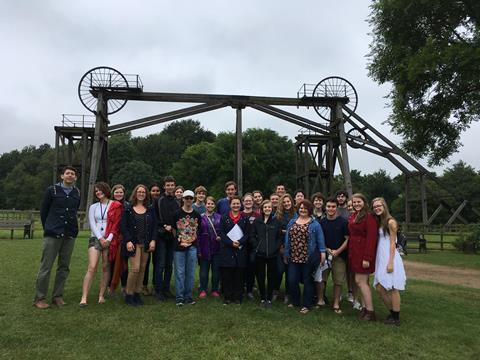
column 247, row 47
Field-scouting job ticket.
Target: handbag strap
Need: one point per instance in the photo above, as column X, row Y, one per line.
column 211, row 224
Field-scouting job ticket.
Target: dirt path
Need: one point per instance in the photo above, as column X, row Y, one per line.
column 443, row 274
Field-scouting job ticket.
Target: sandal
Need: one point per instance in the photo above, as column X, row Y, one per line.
column 319, row 305
column 337, row 310
column 304, row 310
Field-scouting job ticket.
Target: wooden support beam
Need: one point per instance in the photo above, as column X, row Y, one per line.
column 70, row 150
column 57, row 151
column 423, row 199
column 294, row 120
column 238, row 153
column 408, row 218
column 456, row 213
column 233, row 100
column 157, row 119
column 326, row 129
column 100, row 120
column 306, row 168
column 345, row 165
column 83, row 179
column 435, row 214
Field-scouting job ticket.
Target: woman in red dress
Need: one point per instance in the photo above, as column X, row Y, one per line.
column 362, row 248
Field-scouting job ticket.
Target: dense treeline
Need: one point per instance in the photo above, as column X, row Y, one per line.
column 197, row 156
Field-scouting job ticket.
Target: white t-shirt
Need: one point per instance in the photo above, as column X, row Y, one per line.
column 97, row 219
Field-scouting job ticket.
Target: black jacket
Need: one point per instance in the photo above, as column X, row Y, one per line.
column 59, row 212
column 230, row 256
column 128, row 228
column 166, row 208
column 266, row 237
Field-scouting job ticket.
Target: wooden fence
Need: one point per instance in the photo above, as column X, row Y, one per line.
column 438, row 237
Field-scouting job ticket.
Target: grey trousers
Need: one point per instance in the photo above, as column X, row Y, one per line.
column 53, row 247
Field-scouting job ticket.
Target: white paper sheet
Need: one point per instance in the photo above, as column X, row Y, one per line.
column 236, row 233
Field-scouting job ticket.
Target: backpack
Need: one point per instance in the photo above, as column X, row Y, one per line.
column 401, row 243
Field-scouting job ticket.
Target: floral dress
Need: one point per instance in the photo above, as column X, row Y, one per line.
column 298, row 234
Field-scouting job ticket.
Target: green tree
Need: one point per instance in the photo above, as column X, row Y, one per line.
column 267, row 159
column 162, row 150
column 380, row 184
column 430, row 52
column 121, row 151
column 23, row 187
column 134, row 173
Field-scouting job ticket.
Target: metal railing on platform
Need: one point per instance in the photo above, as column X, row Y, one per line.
column 75, row 120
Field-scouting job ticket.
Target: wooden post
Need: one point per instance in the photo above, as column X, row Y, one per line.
column 100, row 117
column 423, row 199
column 306, row 168
column 407, row 202
column 83, row 179
column 441, row 238
column 345, row 166
column 57, row 150
column 238, row 153
column 70, row 150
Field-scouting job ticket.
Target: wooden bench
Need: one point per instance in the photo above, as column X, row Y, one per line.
column 415, row 238
column 27, row 225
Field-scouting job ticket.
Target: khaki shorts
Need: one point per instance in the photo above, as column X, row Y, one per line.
column 339, row 271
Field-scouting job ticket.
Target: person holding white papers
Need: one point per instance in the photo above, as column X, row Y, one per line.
column 233, row 252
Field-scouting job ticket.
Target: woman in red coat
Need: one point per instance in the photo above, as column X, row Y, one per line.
column 362, row 248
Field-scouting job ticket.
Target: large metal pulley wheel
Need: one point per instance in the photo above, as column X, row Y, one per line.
column 99, row 78
column 335, row 86
column 357, row 138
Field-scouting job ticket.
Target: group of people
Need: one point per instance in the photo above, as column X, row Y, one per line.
column 235, row 240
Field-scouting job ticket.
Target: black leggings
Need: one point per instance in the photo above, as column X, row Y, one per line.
column 272, row 276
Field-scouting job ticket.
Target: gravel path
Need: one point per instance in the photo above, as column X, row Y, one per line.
column 443, row 274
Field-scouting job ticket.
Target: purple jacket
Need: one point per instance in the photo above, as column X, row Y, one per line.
column 207, row 242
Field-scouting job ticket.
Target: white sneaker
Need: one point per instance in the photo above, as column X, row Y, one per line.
column 357, row 305
column 350, row 297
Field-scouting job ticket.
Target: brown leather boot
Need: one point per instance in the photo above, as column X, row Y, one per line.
column 369, row 316
column 58, row 301
column 41, row 304
column 362, row 312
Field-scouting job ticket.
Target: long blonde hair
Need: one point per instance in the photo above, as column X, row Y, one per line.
column 281, row 211
column 385, row 217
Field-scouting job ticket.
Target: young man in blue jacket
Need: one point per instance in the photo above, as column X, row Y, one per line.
column 59, row 219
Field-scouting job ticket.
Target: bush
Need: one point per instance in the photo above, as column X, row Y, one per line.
column 469, row 243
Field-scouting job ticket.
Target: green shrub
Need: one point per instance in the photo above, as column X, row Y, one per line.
column 469, row 243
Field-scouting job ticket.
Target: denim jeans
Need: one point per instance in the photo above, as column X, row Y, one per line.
column 205, row 267
column 302, row 272
column 162, row 264
column 184, row 273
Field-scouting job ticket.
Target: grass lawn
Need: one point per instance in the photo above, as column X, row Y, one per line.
column 437, row 322
column 448, row 258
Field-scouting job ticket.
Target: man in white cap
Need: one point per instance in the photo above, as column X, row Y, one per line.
column 186, row 230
